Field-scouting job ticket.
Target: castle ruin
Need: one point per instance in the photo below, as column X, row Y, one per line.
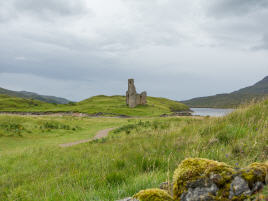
column 132, row 97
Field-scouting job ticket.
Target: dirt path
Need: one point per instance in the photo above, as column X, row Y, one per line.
column 99, row 135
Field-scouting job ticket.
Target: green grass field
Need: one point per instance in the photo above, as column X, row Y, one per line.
column 19, row 132
column 141, row 153
column 108, row 105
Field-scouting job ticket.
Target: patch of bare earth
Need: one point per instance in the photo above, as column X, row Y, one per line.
column 101, row 134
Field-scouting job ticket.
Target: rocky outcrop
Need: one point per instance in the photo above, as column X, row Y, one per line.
column 198, row 179
column 175, row 114
column 132, row 97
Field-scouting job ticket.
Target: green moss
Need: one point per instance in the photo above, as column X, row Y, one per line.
column 224, row 192
column 153, row 195
column 240, row 198
column 255, row 172
column 192, row 169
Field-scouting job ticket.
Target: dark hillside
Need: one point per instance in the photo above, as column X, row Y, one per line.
column 256, row 91
column 35, row 96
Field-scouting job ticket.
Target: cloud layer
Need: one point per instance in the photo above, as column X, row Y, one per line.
column 175, row 49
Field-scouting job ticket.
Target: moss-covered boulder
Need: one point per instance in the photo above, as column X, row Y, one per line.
column 153, row 195
column 199, row 179
column 202, row 179
column 255, row 172
column 202, row 171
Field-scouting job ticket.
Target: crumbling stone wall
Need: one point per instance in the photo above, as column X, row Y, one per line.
column 132, row 97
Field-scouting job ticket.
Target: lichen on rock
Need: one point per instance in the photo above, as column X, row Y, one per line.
column 239, row 187
column 255, row 172
column 193, row 169
column 153, row 195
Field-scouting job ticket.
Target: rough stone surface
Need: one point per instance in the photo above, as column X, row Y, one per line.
column 132, row 97
column 167, row 186
column 200, row 190
column 128, row 199
column 257, row 187
column 238, row 187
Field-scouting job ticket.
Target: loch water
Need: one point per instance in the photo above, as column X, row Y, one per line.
column 214, row 112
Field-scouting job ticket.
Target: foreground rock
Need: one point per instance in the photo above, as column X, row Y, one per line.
column 128, row 199
column 198, row 179
column 179, row 113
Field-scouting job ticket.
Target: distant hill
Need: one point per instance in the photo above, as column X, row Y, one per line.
column 12, row 103
column 96, row 105
column 231, row 100
column 35, row 96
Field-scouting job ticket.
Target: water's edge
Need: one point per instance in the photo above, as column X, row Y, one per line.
column 216, row 112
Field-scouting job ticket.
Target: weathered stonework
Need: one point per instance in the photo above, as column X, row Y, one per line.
column 132, row 97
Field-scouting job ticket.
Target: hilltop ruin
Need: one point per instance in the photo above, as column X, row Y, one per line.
column 132, row 97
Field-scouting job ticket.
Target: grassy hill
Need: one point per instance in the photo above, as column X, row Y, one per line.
column 35, row 96
column 104, row 105
column 116, row 105
column 140, row 154
column 257, row 91
column 11, row 103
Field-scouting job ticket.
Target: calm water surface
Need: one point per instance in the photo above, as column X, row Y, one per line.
column 211, row 112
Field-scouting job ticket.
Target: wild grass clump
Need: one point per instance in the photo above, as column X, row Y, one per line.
column 11, row 129
column 57, row 125
column 143, row 125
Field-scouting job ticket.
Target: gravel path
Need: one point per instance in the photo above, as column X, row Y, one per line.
column 99, row 135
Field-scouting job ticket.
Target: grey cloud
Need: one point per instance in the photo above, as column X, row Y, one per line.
column 237, row 23
column 236, row 8
column 63, row 68
column 62, row 7
column 263, row 43
column 154, row 25
column 46, row 10
column 157, row 42
column 6, row 11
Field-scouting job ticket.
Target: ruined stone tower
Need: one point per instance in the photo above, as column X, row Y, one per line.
column 132, row 98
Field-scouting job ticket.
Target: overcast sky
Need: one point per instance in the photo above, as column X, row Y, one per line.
column 177, row 49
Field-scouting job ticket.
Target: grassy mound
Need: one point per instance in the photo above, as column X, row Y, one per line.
column 117, row 105
column 104, row 105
